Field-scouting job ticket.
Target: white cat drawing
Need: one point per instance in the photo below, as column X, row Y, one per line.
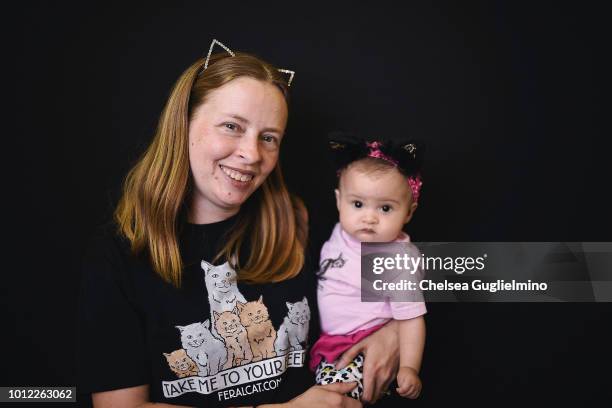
column 221, row 287
column 208, row 352
column 222, row 290
column 293, row 332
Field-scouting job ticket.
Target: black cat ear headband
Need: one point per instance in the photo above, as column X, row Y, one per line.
column 406, row 155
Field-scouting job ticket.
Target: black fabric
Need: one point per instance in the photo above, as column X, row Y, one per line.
column 128, row 317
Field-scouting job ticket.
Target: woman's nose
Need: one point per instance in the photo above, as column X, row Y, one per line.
column 249, row 149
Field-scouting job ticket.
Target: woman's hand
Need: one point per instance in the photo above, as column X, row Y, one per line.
column 326, row 396
column 381, row 352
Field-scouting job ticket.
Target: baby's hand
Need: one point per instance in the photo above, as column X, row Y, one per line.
column 409, row 383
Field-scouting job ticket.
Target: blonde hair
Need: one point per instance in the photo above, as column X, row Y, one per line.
column 156, row 190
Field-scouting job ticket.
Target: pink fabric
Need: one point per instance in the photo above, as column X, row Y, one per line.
column 415, row 184
column 376, row 153
column 339, row 291
column 330, row 347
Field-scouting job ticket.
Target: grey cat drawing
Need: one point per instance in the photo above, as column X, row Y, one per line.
column 208, row 352
column 293, row 332
column 221, row 287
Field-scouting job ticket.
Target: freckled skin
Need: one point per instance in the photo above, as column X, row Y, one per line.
column 217, row 140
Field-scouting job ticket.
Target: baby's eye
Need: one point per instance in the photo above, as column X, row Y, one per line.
column 357, row 204
column 386, row 208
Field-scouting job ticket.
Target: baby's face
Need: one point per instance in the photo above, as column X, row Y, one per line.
column 374, row 206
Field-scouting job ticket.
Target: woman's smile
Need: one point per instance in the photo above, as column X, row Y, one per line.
column 242, row 176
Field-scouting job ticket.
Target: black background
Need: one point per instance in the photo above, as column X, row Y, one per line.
column 508, row 95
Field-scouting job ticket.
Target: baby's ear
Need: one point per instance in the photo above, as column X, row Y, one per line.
column 337, row 193
column 411, row 210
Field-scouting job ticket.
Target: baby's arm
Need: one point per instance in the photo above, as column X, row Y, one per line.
column 412, row 342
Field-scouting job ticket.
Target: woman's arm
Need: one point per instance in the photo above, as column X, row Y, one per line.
column 323, row 396
column 133, row 397
column 381, row 351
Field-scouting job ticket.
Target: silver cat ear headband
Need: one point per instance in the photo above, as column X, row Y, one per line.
column 284, row 71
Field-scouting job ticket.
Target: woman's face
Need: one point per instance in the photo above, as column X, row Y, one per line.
column 234, row 141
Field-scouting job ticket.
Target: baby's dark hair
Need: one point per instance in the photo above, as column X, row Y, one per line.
column 369, row 166
column 374, row 156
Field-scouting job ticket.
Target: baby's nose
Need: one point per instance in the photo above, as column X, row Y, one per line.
column 370, row 218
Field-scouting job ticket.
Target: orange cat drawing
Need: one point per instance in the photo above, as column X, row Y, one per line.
column 235, row 337
column 181, row 364
column 260, row 332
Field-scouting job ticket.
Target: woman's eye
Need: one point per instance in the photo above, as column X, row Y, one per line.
column 231, row 126
column 386, row 208
column 357, row 204
column 270, row 141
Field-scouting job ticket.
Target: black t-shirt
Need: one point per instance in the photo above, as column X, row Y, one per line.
column 249, row 348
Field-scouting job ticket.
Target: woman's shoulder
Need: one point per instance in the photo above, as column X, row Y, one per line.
column 106, row 250
column 106, row 238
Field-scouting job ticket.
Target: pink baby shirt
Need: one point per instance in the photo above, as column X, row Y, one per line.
column 339, row 290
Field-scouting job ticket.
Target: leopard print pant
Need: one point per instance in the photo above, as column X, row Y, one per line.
column 327, row 374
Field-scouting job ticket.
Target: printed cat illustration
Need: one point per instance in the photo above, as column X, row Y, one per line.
column 235, row 336
column 205, row 350
column 181, row 364
column 222, row 290
column 260, row 332
column 330, row 263
column 221, row 286
column 293, row 332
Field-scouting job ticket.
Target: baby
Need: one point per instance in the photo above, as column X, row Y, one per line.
column 377, row 195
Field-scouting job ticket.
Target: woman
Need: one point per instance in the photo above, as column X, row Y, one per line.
column 162, row 318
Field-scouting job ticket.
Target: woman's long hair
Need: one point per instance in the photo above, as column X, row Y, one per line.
column 157, row 190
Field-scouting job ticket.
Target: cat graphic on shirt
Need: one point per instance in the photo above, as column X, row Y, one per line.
column 337, row 262
column 260, row 332
column 180, row 363
column 222, row 290
column 293, row 332
column 235, row 336
column 221, row 287
column 203, row 348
